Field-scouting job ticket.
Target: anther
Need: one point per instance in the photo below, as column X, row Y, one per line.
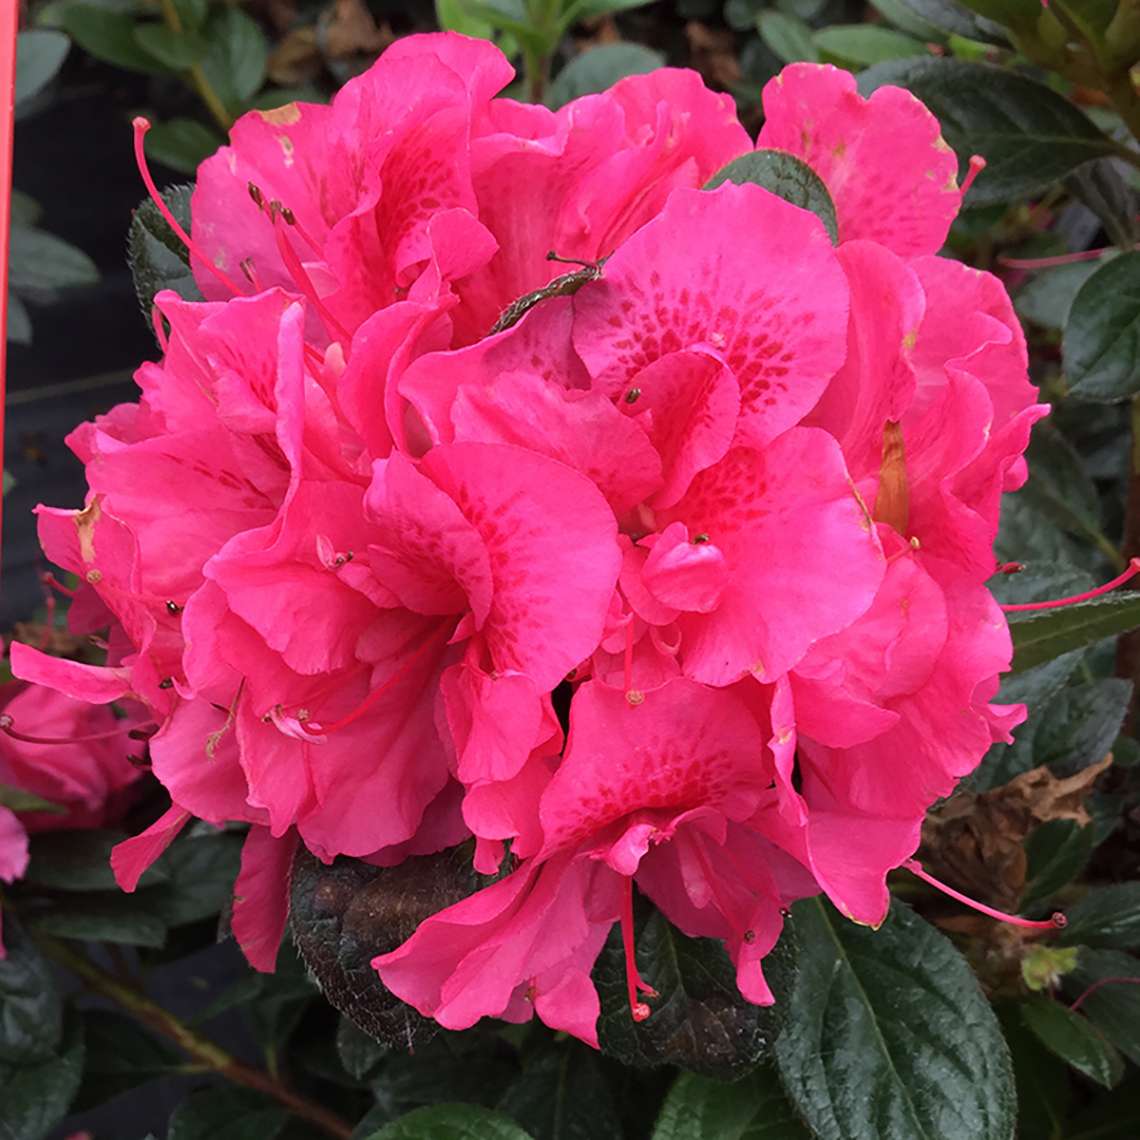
column 166, row 683
column 286, row 214
column 750, row 936
column 633, row 395
column 256, row 195
column 173, row 608
column 700, row 539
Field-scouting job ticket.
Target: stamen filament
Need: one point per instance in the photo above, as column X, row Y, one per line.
column 638, row 1010
column 976, row 166
column 8, row 727
column 1098, row 984
column 1056, row 921
column 141, row 126
column 628, row 673
column 304, row 282
column 1119, row 580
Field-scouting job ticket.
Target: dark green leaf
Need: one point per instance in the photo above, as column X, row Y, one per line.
column 176, row 50
column 1047, row 297
column 36, row 1096
column 79, row 861
column 1043, row 1086
column 789, row 38
column 786, row 176
column 866, row 44
column 124, row 919
column 1060, row 487
column 1112, row 1117
column 109, row 36
column 200, row 872
column 42, row 261
column 472, row 1067
column 16, row 799
column 1073, row 1039
column 562, row 1094
column 39, row 55
column 19, row 321
column 192, row 13
column 359, row 1053
column 888, row 1034
column 459, row 16
column 1101, row 346
column 227, row 1114
column 237, row 56
column 1106, row 918
column 26, row 211
column 956, row 19
column 755, row 1108
column 1042, row 636
column 1104, row 188
column 699, row 1020
column 1079, row 726
column 451, row 1122
column 31, row 1014
column 902, row 16
column 157, row 258
column 345, row 914
column 1057, row 853
column 1114, row 1005
column 600, row 68
column 120, row 1056
column 1030, row 136
column 182, row 144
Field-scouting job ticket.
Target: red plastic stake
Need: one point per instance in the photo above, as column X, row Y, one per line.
column 9, row 21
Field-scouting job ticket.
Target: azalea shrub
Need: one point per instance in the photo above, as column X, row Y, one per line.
column 624, row 619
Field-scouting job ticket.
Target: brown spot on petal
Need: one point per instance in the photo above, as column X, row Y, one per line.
column 283, row 116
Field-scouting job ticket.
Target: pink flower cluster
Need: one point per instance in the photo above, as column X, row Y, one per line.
column 673, row 574
column 71, row 756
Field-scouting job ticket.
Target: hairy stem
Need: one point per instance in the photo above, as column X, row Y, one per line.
column 209, row 1056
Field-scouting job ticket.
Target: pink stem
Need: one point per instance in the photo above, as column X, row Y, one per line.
column 1054, row 922
column 1119, row 580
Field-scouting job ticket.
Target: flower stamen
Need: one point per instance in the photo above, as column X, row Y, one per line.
column 1056, row 921
column 638, row 1009
column 1056, row 603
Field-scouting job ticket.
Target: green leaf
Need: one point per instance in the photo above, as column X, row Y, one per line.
column 786, row 176
column 1101, row 345
column 175, row 50
column 955, row 19
column 1047, row 297
column 451, row 1122
column 19, row 321
column 699, row 1020
column 755, row 1108
column 26, row 211
column 1104, row 188
column 1044, row 1089
column 120, row 1056
column 789, row 38
column 359, row 1053
column 345, row 914
column 1106, row 918
column 36, row 1096
column 888, row 1034
column 109, row 36
column 1080, row 724
column 1114, row 1006
column 236, row 58
column 123, row 919
column 16, row 799
column 157, row 258
column 1042, row 636
column 227, row 1114
column 200, row 872
column 42, row 261
column 599, row 69
column 182, row 144
column 1073, row 1039
column 866, row 44
column 906, row 19
column 31, row 1013
column 459, row 16
column 1057, row 852
column 79, row 861
column 39, row 56
column 1030, row 136
column 562, row 1094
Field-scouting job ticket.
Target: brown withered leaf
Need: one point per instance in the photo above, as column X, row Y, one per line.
column 713, row 54
column 297, row 59
column 976, row 842
column 349, row 29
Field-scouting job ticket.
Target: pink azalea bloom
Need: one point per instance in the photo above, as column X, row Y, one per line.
column 891, row 176
column 71, row 754
column 657, row 791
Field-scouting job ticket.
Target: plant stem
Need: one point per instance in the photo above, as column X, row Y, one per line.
column 197, row 76
column 210, row 1057
column 1128, row 647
